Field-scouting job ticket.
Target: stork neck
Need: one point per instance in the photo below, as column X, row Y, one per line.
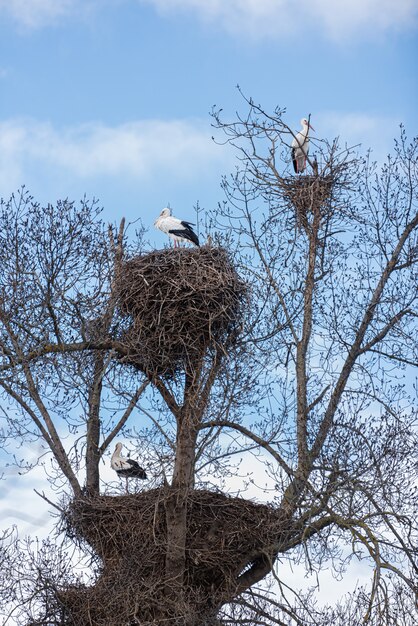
column 305, row 130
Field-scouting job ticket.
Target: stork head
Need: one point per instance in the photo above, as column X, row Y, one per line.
column 118, row 447
column 306, row 122
column 165, row 212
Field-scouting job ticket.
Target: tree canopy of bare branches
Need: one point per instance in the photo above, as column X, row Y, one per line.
column 292, row 340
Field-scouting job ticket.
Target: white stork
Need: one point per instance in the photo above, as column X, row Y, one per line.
column 126, row 467
column 300, row 147
column 177, row 229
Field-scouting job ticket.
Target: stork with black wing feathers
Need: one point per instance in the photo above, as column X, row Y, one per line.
column 126, row 467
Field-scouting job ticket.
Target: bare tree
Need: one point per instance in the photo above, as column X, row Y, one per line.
column 294, row 347
column 56, row 310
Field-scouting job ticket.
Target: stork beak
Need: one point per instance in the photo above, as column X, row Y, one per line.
column 311, row 127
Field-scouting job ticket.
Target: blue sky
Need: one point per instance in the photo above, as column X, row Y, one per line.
column 110, row 98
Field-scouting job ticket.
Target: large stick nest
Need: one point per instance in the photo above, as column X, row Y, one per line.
column 308, row 195
column 129, row 534
column 177, row 303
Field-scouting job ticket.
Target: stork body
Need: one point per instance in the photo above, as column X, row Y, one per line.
column 126, row 467
column 300, row 147
column 178, row 230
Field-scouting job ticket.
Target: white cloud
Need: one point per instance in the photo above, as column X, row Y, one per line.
column 36, row 13
column 376, row 132
column 62, row 160
column 368, row 16
column 135, row 150
column 339, row 20
column 21, row 506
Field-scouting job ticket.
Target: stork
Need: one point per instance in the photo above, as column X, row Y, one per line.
column 178, row 230
column 126, row 467
column 300, row 146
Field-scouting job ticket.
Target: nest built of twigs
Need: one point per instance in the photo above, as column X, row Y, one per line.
column 177, row 304
column 129, row 534
column 308, row 195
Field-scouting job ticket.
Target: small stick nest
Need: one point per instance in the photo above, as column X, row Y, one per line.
column 177, row 304
column 308, row 195
column 225, row 535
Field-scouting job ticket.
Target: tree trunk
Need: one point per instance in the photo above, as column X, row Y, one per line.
column 93, row 428
column 176, row 505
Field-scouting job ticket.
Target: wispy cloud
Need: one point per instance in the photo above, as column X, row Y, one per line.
column 338, row 20
column 150, row 151
column 136, row 150
column 376, row 132
column 37, row 13
column 366, row 17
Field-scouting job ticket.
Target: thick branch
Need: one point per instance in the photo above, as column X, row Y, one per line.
column 248, row 433
column 108, row 440
column 93, row 426
column 62, row 348
column 387, row 328
column 356, row 349
column 302, row 350
column 53, row 439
